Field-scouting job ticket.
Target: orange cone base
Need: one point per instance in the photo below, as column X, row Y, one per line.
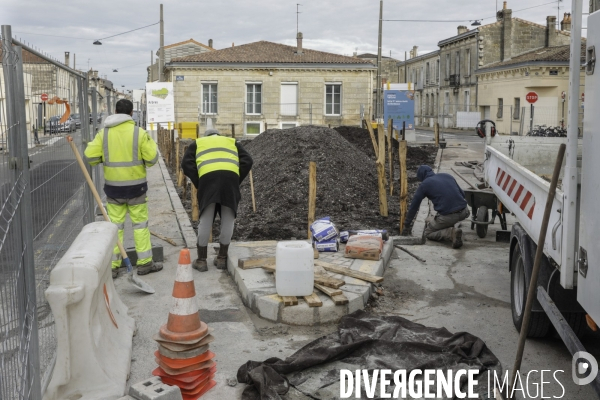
column 206, row 388
column 181, row 363
column 184, row 336
column 185, row 344
column 185, row 377
column 198, row 388
column 205, row 377
column 179, row 371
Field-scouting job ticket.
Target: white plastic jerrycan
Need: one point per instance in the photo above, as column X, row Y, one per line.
column 295, row 268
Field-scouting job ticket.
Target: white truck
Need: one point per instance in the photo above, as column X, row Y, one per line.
column 518, row 170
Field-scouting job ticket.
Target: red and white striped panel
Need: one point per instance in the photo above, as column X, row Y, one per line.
column 517, row 192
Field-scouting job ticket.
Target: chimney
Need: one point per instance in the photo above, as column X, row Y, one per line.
column 354, row 54
column 414, row 52
column 95, row 74
column 299, row 41
column 565, row 24
column 550, row 31
column 210, row 43
column 462, row 29
column 67, row 58
column 506, row 33
column 232, row 44
column 504, row 6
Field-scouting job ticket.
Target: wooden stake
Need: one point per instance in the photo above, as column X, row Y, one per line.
column 252, row 191
column 436, row 134
column 383, row 205
column 381, row 144
column 312, row 194
column 195, row 211
column 403, row 183
column 389, row 144
column 373, row 140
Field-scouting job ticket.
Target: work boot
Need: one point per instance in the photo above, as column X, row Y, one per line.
column 115, row 273
column 200, row 264
column 221, row 258
column 147, row 268
column 456, row 238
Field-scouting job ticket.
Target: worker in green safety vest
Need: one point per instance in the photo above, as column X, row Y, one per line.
column 216, row 165
column 126, row 151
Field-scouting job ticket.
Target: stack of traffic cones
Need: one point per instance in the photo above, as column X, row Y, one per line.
column 183, row 357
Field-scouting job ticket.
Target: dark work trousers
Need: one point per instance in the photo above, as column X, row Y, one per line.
column 439, row 228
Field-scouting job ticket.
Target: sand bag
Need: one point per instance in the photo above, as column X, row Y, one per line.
column 364, row 247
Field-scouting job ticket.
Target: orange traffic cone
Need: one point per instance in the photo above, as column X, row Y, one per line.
column 183, row 357
column 184, row 321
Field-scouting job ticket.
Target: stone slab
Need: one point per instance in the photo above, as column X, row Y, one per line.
column 258, row 292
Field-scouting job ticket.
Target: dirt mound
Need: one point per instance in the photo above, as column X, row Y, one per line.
column 346, row 183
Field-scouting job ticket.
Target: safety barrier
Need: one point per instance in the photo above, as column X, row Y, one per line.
column 93, row 331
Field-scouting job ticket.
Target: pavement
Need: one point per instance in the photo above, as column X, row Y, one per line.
column 463, row 290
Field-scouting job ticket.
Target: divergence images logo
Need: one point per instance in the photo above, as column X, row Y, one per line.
column 160, row 93
column 585, row 368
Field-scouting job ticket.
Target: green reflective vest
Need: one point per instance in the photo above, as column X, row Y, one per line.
column 216, row 153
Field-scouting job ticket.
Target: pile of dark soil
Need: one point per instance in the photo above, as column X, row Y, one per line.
column 346, row 182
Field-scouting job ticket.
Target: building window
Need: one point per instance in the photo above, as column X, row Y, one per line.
column 457, row 63
column 517, row 111
column 426, row 104
column 289, row 99
column 209, row 98
column 448, row 66
column 253, row 98
column 437, row 71
column 427, row 73
column 253, row 128
column 288, row 125
column 467, row 101
column 500, row 108
column 468, row 62
column 333, row 99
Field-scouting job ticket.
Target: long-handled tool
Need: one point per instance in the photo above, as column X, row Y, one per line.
column 133, row 279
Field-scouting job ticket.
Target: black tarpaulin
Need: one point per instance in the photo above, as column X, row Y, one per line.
column 374, row 342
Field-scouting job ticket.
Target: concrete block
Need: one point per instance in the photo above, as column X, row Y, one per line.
column 93, row 331
column 355, row 301
column 154, row 389
column 269, row 307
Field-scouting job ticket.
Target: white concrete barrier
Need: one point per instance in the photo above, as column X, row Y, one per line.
column 93, row 331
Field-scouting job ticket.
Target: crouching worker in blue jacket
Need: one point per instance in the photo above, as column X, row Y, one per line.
column 448, row 200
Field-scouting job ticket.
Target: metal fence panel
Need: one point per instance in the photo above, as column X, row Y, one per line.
column 44, row 203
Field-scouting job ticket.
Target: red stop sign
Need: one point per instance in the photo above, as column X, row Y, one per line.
column 44, row 97
column 531, row 97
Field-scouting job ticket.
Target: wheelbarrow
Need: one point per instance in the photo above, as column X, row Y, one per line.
column 481, row 201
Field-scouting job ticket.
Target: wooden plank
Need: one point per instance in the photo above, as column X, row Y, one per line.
column 289, row 300
column 313, row 300
column 269, row 267
column 252, row 191
column 349, row 272
column 403, row 183
column 264, row 243
column 340, row 299
column 312, row 194
column 328, row 291
column 255, row 262
column 329, row 281
column 372, row 134
column 316, row 253
column 389, row 147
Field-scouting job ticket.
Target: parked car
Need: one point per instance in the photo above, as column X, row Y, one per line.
column 68, row 126
column 98, row 118
column 52, row 125
column 77, row 119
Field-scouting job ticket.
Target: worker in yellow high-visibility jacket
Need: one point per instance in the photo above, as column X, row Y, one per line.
column 216, row 165
column 126, row 150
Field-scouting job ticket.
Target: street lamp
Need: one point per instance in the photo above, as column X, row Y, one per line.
column 97, row 43
column 476, row 23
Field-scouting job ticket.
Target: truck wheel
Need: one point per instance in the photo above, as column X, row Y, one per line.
column 482, row 216
column 577, row 322
column 539, row 324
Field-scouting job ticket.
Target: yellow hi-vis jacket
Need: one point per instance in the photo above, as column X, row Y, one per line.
column 216, row 153
column 126, row 151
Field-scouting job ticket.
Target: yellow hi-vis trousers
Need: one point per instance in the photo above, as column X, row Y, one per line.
column 138, row 212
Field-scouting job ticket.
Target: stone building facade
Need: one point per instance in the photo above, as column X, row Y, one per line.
column 461, row 56
column 262, row 85
column 389, row 74
column 423, row 73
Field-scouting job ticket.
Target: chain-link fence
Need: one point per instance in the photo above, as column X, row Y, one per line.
column 44, row 204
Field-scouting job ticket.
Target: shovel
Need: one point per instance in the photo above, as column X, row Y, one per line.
column 133, row 279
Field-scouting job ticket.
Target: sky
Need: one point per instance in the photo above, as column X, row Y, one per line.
column 337, row 26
